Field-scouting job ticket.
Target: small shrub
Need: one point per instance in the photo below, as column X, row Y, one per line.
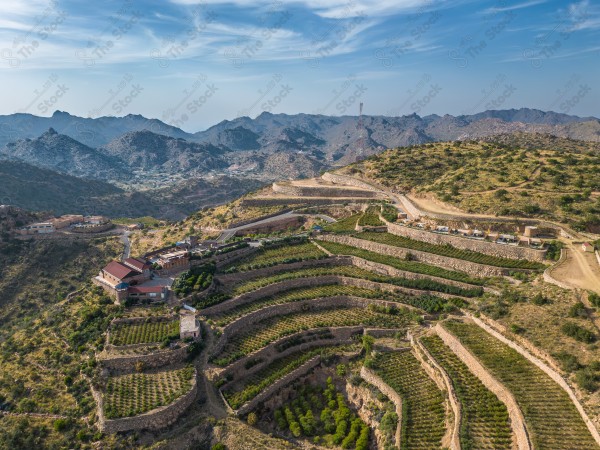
column 578, row 332
column 252, row 419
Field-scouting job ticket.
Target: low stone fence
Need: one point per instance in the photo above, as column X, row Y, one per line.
column 488, row 248
column 297, row 373
column 471, row 268
column 153, row 420
column 370, row 377
column 548, row 370
column 341, row 335
column 504, row 395
column 248, row 320
column 548, row 278
column 127, row 363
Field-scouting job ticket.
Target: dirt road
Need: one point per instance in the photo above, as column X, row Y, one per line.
column 580, row 270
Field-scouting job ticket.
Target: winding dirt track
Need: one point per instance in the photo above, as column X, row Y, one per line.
column 580, row 270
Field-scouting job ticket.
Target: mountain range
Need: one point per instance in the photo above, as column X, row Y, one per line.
column 137, row 154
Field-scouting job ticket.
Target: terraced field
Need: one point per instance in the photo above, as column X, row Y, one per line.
column 253, row 384
column 447, row 250
column 423, row 411
column 347, row 225
column 551, row 418
column 370, row 218
column 400, row 264
column 278, row 255
column 356, row 272
column 137, row 393
column 273, row 328
column 485, row 423
column 146, row 332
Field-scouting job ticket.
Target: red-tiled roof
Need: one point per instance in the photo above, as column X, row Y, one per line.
column 136, row 264
column 145, row 290
column 118, row 270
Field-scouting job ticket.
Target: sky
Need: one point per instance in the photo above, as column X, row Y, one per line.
column 194, row 63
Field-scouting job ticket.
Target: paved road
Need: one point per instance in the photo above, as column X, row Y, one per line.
column 127, row 245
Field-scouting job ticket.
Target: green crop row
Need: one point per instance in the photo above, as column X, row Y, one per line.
column 284, row 254
column 144, row 332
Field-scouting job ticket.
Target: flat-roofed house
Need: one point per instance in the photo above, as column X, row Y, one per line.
column 189, row 326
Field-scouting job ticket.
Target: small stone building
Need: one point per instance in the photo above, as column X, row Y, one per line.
column 189, row 326
column 587, row 247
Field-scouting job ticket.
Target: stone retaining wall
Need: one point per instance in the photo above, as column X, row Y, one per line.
column 409, row 207
column 548, row 370
column 225, row 258
column 504, row 395
column 471, row 268
column 548, row 278
column 488, row 248
column 321, row 191
column 241, row 223
column 152, row 420
column 297, row 373
column 126, row 363
column 346, row 180
column 597, row 256
column 240, row 277
column 315, row 201
column 370, row 377
column 341, row 335
column 307, row 282
column 248, row 320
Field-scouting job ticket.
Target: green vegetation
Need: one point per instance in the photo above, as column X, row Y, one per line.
column 409, row 266
column 196, row 279
column 346, row 225
column 137, row 393
column 253, row 384
column 356, row 272
column 268, row 330
column 449, row 251
column 144, row 332
column 551, row 417
column 283, row 254
column 423, row 412
column 484, row 422
column 578, row 332
column 323, row 414
column 389, row 213
column 370, row 217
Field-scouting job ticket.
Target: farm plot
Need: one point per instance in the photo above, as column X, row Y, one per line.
column 449, row 251
column 356, row 272
column 371, row 217
column 137, row 393
column 295, row 295
column 400, row 264
column 485, row 423
column 551, row 418
column 279, row 255
column 253, row 384
column 266, row 331
column 347, row 225
column 423, row 411
column 144, row 332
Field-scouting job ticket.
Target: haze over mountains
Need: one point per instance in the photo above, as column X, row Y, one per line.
column 145, row 155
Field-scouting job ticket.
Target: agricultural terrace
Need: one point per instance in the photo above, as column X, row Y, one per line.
column 423, row 411
column 196, row 279
column 346, row 225
column 485, row 423
column 370, row 217
column 281, row 254
column 400, row 264
column 252, row 385
column 149, row 331
column 266, row 331
column 449, row 251
column 356, row 272
column 551, row 417
column 137, row 393
column 322, row 414
column 428, row 303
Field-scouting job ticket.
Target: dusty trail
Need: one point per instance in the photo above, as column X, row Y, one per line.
column 580, row 270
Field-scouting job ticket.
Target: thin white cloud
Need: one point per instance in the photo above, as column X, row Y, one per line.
column 497, row 9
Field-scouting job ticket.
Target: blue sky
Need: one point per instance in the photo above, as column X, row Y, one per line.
column 193, row 64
